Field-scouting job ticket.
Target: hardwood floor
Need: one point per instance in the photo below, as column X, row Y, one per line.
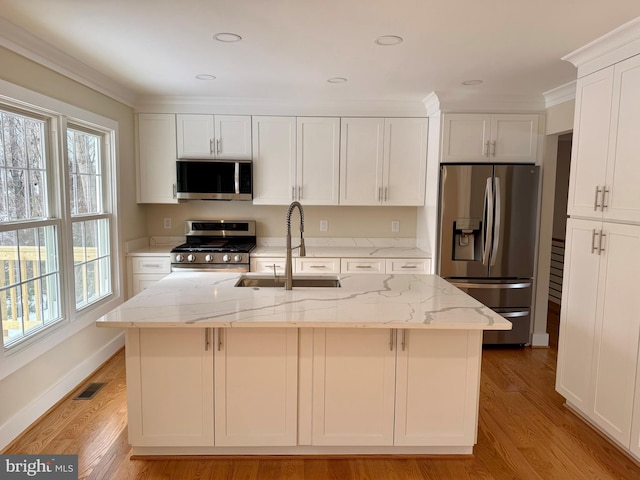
column 525, row 432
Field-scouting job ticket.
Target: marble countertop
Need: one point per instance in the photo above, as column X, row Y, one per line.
column 344, row 252
column 206, row 299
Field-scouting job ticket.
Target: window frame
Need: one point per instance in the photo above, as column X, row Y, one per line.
column 58, row 115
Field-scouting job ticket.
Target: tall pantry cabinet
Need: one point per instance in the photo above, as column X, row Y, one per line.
column 598, row 371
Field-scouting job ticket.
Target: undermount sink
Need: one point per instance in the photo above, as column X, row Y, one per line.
column 300, row 281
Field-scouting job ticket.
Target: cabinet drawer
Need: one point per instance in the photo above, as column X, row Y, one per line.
column 151, row 264
column 405, row 265
column 266, row 265
column 362, row 265
column 317, row 265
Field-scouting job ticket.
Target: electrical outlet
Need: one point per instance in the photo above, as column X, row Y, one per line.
column 395, row 226
column 167, row 223
column 324, row 225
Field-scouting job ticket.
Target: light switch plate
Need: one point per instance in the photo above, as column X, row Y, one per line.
column 167, row 223
column 324, row 225
column 395, row 226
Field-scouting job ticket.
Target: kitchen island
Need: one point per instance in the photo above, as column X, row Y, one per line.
column 382, row 364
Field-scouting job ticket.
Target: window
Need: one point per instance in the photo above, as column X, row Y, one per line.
column 54, row 233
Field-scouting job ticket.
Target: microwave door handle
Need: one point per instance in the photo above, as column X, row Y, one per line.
column 236, row 178
column 496, row 220
column 487, row 222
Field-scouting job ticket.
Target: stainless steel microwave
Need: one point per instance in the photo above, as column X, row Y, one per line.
column 209, row 179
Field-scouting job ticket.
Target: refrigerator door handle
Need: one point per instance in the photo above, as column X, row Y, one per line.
column 487, row 224
column 500, row 286
column 496, row 221
column 521, row 313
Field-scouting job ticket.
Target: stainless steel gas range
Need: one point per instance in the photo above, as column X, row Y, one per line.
column 216, row 246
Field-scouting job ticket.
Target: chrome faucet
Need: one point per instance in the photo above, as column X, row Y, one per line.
column 288, row 269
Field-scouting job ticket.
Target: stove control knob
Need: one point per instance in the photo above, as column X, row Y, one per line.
column 237, row 258
column 179, row 258
column 208, row 258
column 226, row 258
column 191, row 257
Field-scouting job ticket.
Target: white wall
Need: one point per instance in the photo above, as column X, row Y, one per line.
column 32, row 389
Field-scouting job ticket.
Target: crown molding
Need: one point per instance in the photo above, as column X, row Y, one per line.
column 620, row 43
column 563, row 93
column 278, row 106
column 470, row 102
column 29, row 46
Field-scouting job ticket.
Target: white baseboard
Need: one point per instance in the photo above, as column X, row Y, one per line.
column 540, row 340
column 35, row 409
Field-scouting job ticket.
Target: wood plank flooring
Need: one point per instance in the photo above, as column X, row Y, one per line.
column 525, row 432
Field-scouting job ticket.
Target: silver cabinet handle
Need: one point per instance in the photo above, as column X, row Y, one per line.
column 220, row 339
column 593, row 241
column 386, row 194
column 595, row 200
column 300, row 193
column 293, row 193
column 175, row 190
column 601, row 243
column 485, row 152
column 605, row 191
column 318, row 266
column 493, row 148
column 218, row 149
column 150, row 265
column 404, row 339
column 211, row 146
column 379, row 194
column 363, row 266
column 409, row 266
column 206, row 339
column 391, row 339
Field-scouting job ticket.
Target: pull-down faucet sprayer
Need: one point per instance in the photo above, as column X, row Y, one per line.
column 288, row 272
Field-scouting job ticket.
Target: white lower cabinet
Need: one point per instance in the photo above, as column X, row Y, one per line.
column 600, row 327
column 362, row 265
column 395, row 387
column 267, row 265
column 437, row 380
column 170, row 387
column 145, row 270
column 316, row 265
column 353, row 387
column 256, row 387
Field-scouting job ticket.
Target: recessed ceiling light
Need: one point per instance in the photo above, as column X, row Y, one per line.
column 205, row 76
column 337, row 80
column 227, row 37
column 470, row 83
column 388, row 40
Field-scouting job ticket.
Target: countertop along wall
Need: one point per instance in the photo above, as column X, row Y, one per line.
column 32, row 389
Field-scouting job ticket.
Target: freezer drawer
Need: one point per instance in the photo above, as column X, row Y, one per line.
column 505, row 294
column 519, row 333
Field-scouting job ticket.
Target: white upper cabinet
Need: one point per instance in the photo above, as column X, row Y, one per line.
column 274, row 156
column 214, row 136
column 483, row 138
column 156, row 158
column 383, row 161
column 317, row 166
column 606, row 146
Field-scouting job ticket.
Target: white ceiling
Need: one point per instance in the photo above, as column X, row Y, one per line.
column 289, row 48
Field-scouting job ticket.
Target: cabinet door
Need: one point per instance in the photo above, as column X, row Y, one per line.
column 353, row 387
column 232, row 137
column 465, row 138
column 318, row 160
column 361, row 157
column 274, row 157
column 590, row 143
column 615, row 354
column 170, row 387
column 578, row 313
column 396, row 266
column 438, row 376
column 268, row 265
column 156, row 158
column 195, row 136
column 514, row 138
column 256, row 389
column 362, row 265
column 405, row 161
column 622, row 199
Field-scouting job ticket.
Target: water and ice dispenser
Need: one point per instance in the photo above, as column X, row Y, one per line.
column 467, row 240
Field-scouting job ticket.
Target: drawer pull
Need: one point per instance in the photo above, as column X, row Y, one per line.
column 363, row 266
column 151, row 265
column 408, row 266
column 317, row 266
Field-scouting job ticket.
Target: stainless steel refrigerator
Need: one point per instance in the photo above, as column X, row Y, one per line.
column 488, row 227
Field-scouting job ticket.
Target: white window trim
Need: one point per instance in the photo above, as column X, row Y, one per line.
column 20, row 355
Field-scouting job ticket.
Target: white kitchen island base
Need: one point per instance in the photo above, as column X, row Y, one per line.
column 382, row 365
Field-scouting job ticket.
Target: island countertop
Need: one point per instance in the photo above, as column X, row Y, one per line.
column 206, row 299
